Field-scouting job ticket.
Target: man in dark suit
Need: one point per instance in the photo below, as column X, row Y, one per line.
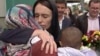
column 90, row 21
column 63, row 21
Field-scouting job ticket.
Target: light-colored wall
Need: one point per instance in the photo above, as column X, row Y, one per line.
column 2, row 13
column 2, row 23
column 2, row 8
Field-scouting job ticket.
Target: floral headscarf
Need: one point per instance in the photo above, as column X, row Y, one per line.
column 21, row 16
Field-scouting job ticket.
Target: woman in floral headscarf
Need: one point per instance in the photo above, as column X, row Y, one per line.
column 21, row 16
column 21, row 29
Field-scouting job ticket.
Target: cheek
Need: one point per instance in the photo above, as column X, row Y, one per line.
column 36, row 19
column 91, row 11
column 48, row 23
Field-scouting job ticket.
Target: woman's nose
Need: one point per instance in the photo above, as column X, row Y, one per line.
column 40, row 19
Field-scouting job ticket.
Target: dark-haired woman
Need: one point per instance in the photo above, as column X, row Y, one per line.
column 22, row 28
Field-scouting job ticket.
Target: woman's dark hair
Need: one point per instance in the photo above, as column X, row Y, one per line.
column 70, row 14
column 72, row 17
column 54, row 28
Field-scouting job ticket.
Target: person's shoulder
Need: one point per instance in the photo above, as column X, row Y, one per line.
column 82, row 16
column 88, row 51
column 62, row 52
column 66, row 19
column 69, row 51
column 85, row 49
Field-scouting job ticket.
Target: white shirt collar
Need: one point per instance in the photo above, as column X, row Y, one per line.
column 60, row 22
column 90, row 16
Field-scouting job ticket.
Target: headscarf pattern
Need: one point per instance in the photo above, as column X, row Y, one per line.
column 21, row 16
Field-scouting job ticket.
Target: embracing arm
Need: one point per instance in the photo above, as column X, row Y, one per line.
column 22, row 36
column 18, row 36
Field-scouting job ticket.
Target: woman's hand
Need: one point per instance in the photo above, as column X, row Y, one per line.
column 47, row 40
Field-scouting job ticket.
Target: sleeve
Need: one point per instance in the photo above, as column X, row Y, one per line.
column 68, row 51
column 90, row 53
column 36, row 50
column 62, row 52
column 16, row 36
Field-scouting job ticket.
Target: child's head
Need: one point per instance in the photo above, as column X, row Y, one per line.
column 71, row 37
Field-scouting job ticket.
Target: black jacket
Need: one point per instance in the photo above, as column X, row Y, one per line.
column 82, row 23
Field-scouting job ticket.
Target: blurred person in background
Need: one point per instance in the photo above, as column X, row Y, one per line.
column 68, row 14
column 63, row 21
column 90, row 21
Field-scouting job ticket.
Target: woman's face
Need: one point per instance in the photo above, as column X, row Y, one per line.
column 43, row 16
column 66, row 12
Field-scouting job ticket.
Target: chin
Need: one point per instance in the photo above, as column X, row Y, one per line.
column 44, row 28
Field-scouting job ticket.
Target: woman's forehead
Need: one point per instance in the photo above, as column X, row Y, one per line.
column 42, row 9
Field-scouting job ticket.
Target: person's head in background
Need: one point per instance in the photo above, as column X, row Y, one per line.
column 61, row 5
column 20, row 16
column 67, row 11
column 46, row 14
column 71, row 37
column 94, row 8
